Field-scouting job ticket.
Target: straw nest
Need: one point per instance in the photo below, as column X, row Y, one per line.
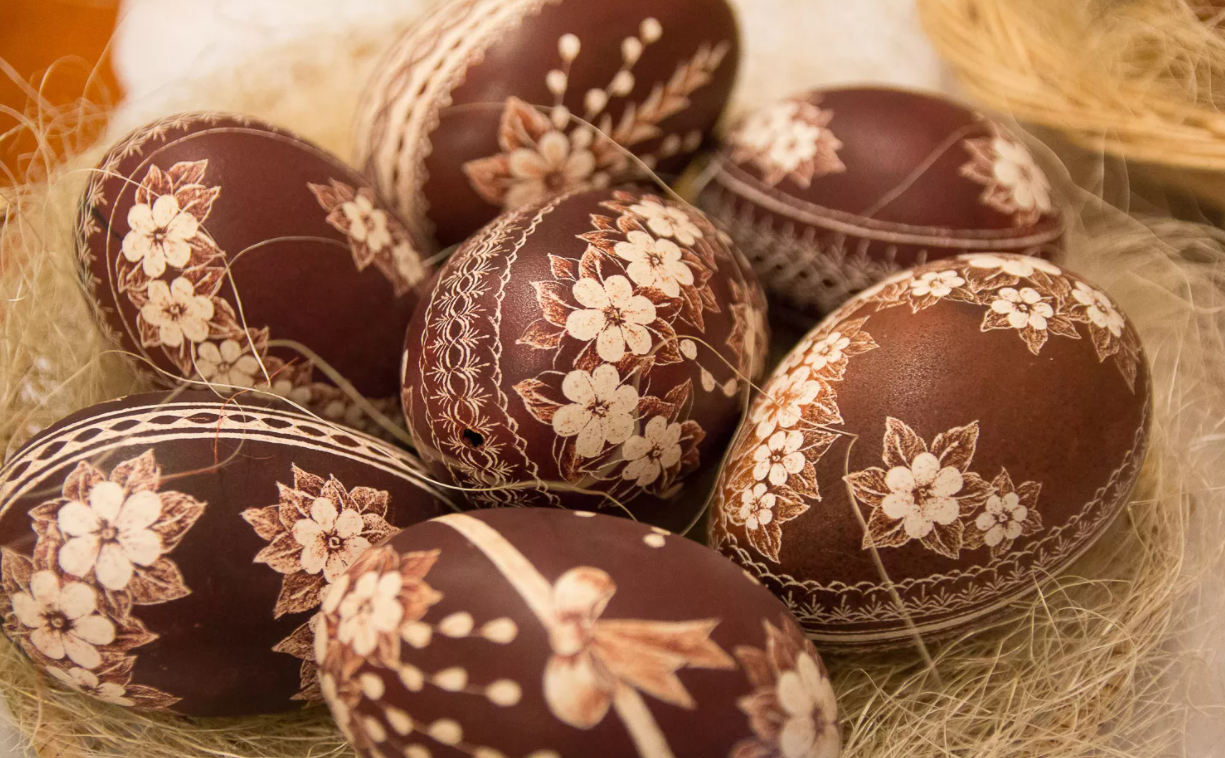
column 1140, row 79
column 1091, row 665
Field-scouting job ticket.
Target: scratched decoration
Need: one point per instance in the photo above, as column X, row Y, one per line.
column 538, row 633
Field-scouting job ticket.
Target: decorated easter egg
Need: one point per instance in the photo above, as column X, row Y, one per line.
column 936, row 449
column 537, row 632
column 487, row 105
column 589, row 351
column 207, row 239
column 831, row 191
column 165, row 551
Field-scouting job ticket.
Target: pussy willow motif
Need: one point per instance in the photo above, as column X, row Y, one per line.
column 103, row 548
column 616, row 309
column 544, row 155
column 316, row 531
column 173, row 273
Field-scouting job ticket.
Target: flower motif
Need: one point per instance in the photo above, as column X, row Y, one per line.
column 655, row 263
column 110, row 534
column 316, row 531
column 924, row 493
column 1013, row 265
column 330, row 540
column 1023, row 309
column 367, row 224
column 177, row 312
column 791, row 708
column 87, row 681
column 1009, row 513
column 921, row 495
column 1004, row 518
column 784, row 403
column 1016, row 171
column 614, row 316
column 64, row 620
column 159, row 235
column 779, row 457
column 593, row 660
column 828, row 351
column 757, row 506
column 655, row 451
column 667, row 221
column 935, row 284
column 555, row 164
column 370, row 609
column 601, row 409
column 1098, row 309
column 1013, row 183
column 792, row 139
column 227, row 363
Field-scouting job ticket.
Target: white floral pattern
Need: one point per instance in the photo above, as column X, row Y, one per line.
column 101, row 550
column 110, row 534
column 1013, row 182
column 668, row 221
column 757, row 507
column 653, row 452
column 613, row 316
column 779, row 457
column 63, row 621
column 158, row 235
column 227, row 363
column 936, row 284
column 655, row 263
column 177, row 312
column 789, row 139
column 601, row 409
column 784, row 403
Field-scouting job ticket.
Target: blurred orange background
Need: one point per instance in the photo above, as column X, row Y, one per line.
column 57, row 49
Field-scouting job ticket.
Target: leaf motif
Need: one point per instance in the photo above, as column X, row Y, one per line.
column 522, row 126
column 137, row 474
column 369, row 501
column 130, row 632
column 197, row 200
column 1027, row 494
column 589, row 264
column 956, row 446
column 564, row 268
column 155, row 184
column 159, row 583
column 188, row 172
column 538, row 404
column 294, row 504
column 266, row 521
column 307, row 483
column 868, row 485
column 550, row 295
column 299, row 592
column 789, row 509
column 755, row 664
column 490, row 177
column 149, row 698
column 224, row 324
column 1062, row 326
column 15, row 571
column 650, row 406
column 376, row 529
column 974, row 493
column 1003, row 482
column 207, row 280
column 678, row 397
column 945, row 540
column 283, row 554
column 179, row 513
column 691, row 308
column 326, row 195
column 1103, row 342
column 1034, row 339
column 81, row 481
column 767, row 539
column 883, row 531
column 300, row 643
column 541, row 335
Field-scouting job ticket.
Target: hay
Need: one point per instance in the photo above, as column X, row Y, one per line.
column 1140, row 79
column 1092, row 666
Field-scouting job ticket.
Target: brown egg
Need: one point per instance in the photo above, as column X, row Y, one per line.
column 538, row 633
column 471, row 112
column 974, row 425
column 831, row 191
column 203, row 237
column 590, row 348
column 165, row 551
